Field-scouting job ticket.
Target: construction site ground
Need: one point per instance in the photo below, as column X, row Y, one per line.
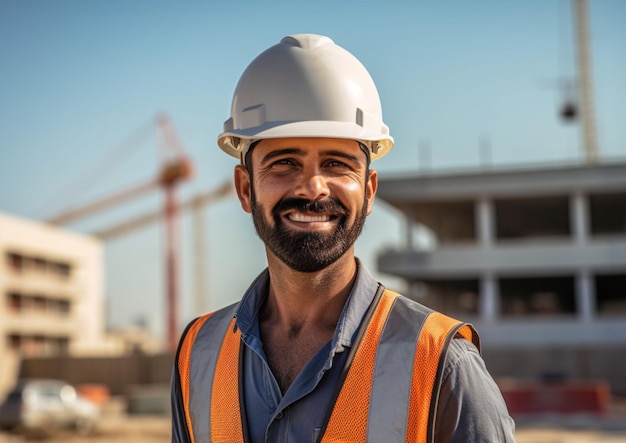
column 118, row 427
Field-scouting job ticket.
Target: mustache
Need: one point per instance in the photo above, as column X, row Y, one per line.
column 329, row 204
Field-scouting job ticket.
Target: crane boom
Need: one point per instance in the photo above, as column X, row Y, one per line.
column 148, row 218
column 79, row 212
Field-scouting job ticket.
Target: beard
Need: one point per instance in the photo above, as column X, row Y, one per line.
column 308, row 251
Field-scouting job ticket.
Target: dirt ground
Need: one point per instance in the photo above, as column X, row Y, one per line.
column 157, row 430
column 118, row 427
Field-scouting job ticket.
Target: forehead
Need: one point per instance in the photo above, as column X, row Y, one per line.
column 309, row 146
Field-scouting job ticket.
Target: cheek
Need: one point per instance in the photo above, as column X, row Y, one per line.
column 351, row 193
column 354, row 187
column 269, row 187
column 265, row 195
column 350, row 183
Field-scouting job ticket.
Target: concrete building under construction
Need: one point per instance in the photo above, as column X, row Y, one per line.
column 51, row 289
column 535, row 258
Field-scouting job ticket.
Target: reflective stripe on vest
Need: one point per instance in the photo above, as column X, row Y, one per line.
column 374, row 402
column 198, row 368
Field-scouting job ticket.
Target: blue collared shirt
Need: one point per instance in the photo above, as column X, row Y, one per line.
column 298, row 415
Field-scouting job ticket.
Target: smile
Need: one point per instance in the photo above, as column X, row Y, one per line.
column 298, row 217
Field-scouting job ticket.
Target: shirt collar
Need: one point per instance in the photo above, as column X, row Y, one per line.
column 361, row 296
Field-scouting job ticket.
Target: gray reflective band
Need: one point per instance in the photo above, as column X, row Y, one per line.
column 393, row 372
column 204, row 354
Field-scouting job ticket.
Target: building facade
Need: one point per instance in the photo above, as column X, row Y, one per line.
column 51, row 292
column 534, row 257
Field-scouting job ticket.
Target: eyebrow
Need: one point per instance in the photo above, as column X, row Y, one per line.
column 280, row 152
column 349, row 157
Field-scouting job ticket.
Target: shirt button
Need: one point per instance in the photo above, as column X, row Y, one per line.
column 280, row 415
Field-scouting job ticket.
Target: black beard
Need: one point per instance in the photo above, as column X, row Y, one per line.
column 308, row 251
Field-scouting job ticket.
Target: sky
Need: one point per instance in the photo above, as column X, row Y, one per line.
column 461, row 84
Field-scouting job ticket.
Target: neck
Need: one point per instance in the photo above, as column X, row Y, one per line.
column 298, row 299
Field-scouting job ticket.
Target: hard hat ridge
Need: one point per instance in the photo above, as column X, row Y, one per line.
column 305, row 86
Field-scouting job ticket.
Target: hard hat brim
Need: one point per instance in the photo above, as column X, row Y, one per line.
column 236, row 142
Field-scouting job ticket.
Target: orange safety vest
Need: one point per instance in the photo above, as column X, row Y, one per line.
column 349, row 418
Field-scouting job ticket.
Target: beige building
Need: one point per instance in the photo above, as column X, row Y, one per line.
column 534, row 257
column 51, row 293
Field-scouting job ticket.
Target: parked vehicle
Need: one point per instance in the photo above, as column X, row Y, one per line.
column 43, row 405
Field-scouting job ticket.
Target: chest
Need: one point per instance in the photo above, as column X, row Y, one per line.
column 288, row 353
column 303, row 409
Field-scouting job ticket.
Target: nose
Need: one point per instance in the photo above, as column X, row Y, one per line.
column 312, row 185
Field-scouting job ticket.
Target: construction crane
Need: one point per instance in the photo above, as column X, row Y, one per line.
column 196, row 204
column 176, row 167
column 578, row 103
column 588, row 128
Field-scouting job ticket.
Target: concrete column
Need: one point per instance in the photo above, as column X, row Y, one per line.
column 488, row 301
column 579, row 217
column 585, row 296
column 484, row 222
column 408, row 230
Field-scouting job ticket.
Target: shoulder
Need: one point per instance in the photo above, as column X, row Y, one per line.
column 434, row 324
column 411, row 307
column 462, row 355
column 208, row 323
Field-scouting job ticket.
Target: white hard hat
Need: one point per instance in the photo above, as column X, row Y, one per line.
column 305, row 86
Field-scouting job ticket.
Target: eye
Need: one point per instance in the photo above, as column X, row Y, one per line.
column 337, row 164
column 283, row 164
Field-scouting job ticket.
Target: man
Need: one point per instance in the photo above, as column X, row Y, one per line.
column 317, row 350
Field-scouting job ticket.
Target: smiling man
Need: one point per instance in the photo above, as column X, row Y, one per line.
column 317, row 350
column 324, row 191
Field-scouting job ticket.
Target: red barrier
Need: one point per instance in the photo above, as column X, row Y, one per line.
column 556, row 398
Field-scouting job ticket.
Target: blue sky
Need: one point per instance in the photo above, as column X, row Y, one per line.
column 78, row 79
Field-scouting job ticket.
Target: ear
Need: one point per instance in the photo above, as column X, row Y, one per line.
column 370, row 189
column 243, row 188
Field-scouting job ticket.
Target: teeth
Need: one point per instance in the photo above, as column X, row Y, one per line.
column 308, row 218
